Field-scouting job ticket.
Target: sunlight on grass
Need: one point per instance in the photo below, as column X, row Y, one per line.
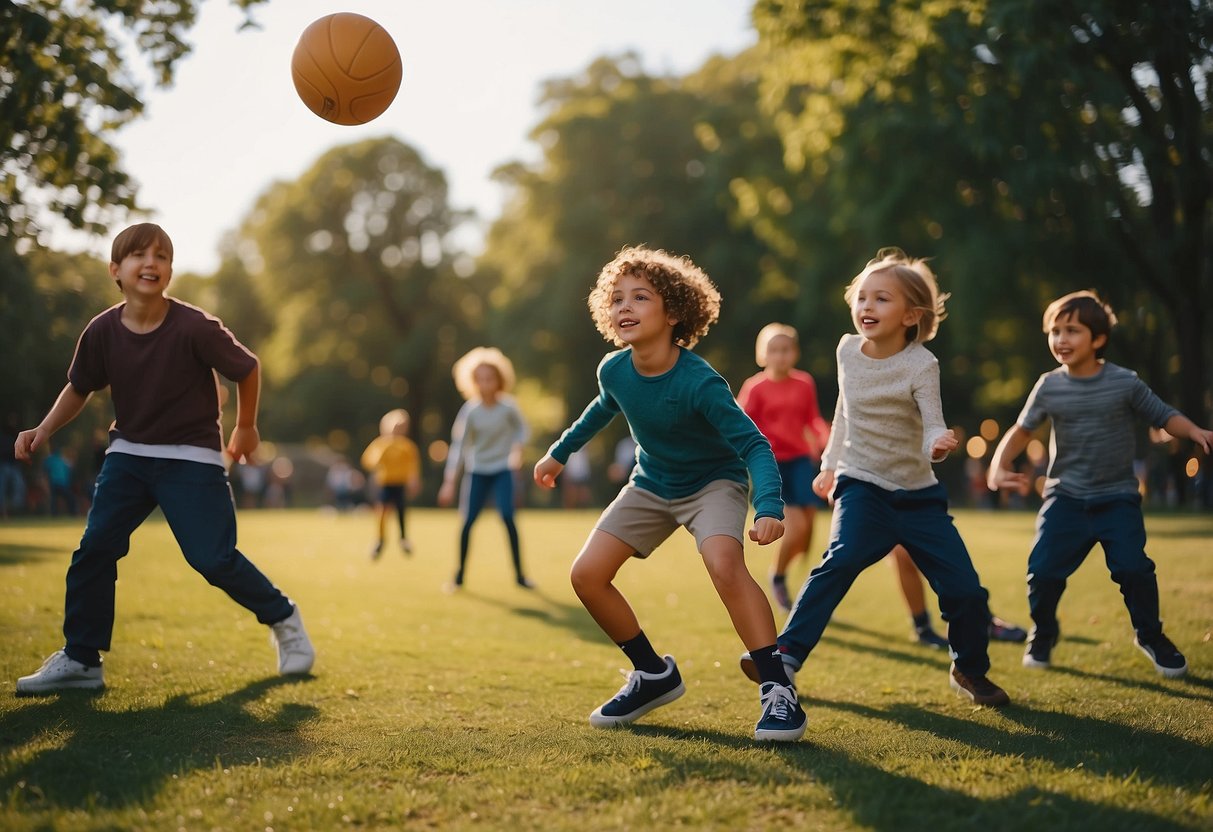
column 436, row 710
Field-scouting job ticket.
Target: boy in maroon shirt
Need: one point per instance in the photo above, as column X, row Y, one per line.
column 158, row 356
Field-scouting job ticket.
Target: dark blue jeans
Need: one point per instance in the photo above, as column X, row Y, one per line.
column 869, row 521
column 1067, row 528
column 478, row 487
column 196, row 500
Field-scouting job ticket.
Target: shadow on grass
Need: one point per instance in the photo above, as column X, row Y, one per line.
column 1191, row 686
column 885, row 801
column 1062, row 740
column 537, row 605
column 124, row 757
column 12, row 554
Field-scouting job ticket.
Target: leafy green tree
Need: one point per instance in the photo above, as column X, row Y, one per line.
column 1035, row 148
column 64, row 90
column 345, row 284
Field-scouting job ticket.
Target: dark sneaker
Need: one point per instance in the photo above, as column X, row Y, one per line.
column 642, row 693
column 927, row 637
column 1006, row 631
column 978, row 689
column 783, row 720
column 750, row 669
column 779, row 591
column 61, row 672
column 1168, row 661
column 1040, row 648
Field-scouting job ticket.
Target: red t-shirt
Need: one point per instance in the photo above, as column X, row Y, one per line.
column 162, row 383
column 784, row 410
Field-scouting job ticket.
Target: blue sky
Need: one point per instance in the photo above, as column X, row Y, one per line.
column 232, row 123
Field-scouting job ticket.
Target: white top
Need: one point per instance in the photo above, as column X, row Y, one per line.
column 887, row 418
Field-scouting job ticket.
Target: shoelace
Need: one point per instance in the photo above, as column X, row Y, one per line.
column 778, row 701
column 289, row 637
column 631, row 685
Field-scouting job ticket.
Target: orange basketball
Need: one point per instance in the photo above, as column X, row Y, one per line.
column 346, row 68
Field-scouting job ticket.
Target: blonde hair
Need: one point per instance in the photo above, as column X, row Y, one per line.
column 465, row 370
column 917, row 283
column 767, row 334
column 392, row 420
column 688, row 293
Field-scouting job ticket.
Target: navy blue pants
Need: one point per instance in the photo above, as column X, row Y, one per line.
column 1067, row 528
column 868, row 521
column 196, row 500
column 477, row 488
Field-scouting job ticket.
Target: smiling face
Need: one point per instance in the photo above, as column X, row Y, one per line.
column 880, row 311
column 144, row 272
column 1073, row 346
column 638, row 313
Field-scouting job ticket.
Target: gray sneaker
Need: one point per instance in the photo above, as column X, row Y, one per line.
column 59, row 672
column 295, row 652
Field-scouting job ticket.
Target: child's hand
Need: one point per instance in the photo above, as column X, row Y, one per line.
column 27, row 442
column 823, row 484
column 1000, row 478
column 546, row 471
column 242, row 444
column 414, row 488
column 766, row 530
column 1202, row 437
column 944, row 445
column 446, row 493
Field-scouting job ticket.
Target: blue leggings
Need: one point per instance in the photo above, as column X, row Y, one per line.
column 869, row 521
column 476, row 491
column 196, row 500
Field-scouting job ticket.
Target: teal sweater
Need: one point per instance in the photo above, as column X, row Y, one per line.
column 689, row 429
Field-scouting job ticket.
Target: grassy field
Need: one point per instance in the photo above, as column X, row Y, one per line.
column 430, row 710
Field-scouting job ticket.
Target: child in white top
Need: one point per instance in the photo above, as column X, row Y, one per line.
column 888, row 429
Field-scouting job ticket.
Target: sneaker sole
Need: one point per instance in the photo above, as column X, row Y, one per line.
column 1169, row 672
column 76, row 684
column 784, row 735
column 600, row 720
column 984, row 701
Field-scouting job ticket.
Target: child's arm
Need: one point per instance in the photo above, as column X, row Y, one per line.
column 66, row 407
column 1181, row 425
column 245, row 437
column 1002, row 473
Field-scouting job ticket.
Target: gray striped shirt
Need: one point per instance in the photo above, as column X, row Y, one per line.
column 1092, row 444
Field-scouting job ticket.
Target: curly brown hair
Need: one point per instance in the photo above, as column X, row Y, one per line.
column 688, row 293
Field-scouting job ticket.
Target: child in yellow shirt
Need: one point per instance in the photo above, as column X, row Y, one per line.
column 395, row 463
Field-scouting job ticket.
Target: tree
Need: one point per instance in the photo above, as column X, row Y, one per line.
column 344, row 283
column 1036, row 147
column 64, row 90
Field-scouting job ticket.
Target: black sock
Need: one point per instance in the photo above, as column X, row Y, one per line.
column 642, row 654
column 769, row 662
column 922, row 621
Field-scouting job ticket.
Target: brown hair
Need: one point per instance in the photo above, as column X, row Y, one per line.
column 688, row 293
column 140, row 235
column 1090, row 311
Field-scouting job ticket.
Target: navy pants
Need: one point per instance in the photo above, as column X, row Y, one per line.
column 868, row 521
column 1067, row 528
column 476, row 491
column 196, row 500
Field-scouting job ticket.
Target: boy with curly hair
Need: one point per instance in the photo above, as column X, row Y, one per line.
column 697, row 452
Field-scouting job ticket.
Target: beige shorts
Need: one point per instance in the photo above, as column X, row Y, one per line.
column 643, row 520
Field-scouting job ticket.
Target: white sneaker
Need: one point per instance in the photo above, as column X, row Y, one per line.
column 59, row 672
column 295, row 652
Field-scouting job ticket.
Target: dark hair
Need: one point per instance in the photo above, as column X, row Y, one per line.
column 140, row 235
column 1090, row 311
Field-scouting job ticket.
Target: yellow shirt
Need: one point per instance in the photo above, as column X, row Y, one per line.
column 394, row 460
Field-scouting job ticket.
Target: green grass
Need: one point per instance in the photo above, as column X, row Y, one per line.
column 437, row 711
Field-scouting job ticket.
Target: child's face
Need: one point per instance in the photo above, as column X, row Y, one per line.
column 1072, row 345
column 487, row 381
column 638, row 312
column 880, row 310
column 782, row 355
column 145, row 272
